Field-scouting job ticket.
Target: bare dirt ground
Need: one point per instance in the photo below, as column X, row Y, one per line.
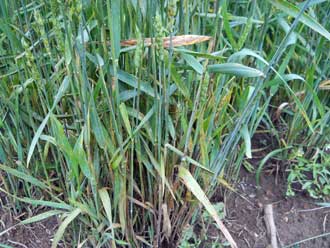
column 36, row 235
column 296, row 218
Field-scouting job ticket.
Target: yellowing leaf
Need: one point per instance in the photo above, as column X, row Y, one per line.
column 325, row 85
column 194, row 187
column 59, row 234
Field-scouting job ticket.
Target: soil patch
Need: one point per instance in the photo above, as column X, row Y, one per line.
column 36, row 235
column 296, row 218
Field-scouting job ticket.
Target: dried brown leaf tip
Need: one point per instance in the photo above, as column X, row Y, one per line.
column 181, row 40
column 325, row 85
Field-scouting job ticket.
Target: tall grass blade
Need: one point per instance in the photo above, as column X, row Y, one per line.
column 41, row 216
column 23, row 176
column 294, row 11
column 61, row 91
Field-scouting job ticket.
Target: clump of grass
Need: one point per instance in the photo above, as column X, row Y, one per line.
column 312, row 174
column 302, row 106
column 127, row 143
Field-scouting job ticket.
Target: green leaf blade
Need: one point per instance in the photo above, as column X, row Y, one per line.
column 235, row 69
column 306, row 19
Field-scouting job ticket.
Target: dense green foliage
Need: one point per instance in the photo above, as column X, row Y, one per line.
column 123, row 141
